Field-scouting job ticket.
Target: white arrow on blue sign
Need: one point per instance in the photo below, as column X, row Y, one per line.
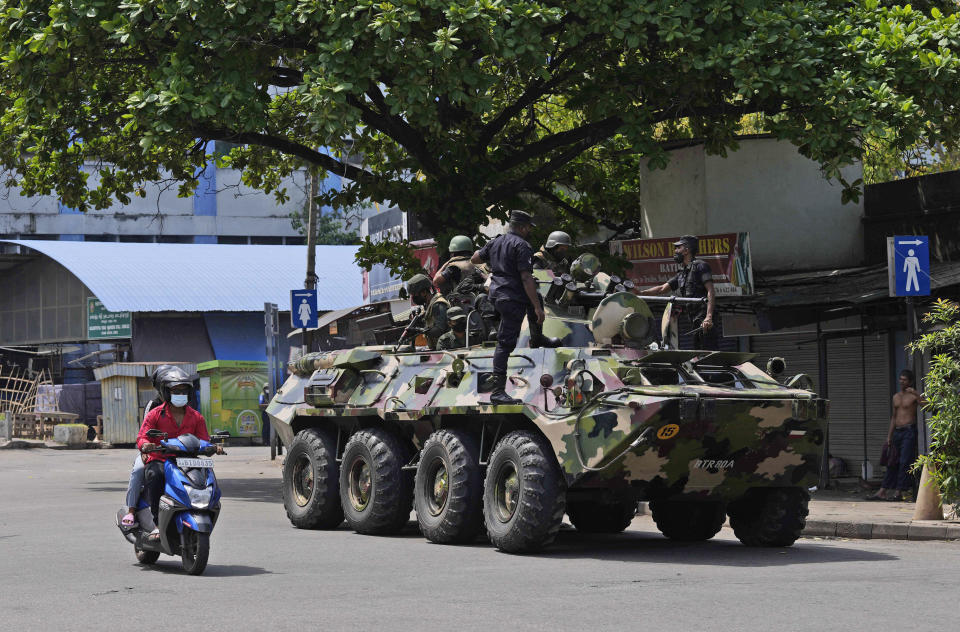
column 303, row 309
column 908, row 262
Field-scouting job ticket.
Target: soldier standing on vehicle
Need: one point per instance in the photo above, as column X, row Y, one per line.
column 514, row 294
column 456, row 338
column 693, row 280
column 435, row 316
column 553, row 254
column 458, row 267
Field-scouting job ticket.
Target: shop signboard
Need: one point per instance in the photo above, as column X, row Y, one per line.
column 102, row 324
column 232, row 402
column 727, row 254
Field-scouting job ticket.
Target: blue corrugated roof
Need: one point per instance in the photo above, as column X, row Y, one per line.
column 204, row 277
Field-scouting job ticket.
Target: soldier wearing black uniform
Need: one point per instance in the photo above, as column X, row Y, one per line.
column 514, row 294
column 693, row 280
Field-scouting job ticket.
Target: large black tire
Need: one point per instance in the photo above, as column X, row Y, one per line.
column 448, row 490
column 523, row 494
column 770, row 517
column 311, row 489
column 146, row 557
column 196, row 550
column 591, row 516
column 686, row 520
column 375, row 492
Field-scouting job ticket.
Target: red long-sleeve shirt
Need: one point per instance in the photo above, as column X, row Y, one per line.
column 160, row 418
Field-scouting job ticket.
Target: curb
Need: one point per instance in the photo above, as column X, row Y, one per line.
column 26, row 444
column 914, row 530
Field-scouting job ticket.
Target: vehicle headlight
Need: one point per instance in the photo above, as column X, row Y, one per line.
column 199, row 498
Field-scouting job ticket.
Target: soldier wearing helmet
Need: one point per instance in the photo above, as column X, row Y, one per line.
column 553, row 254
column 693, row 280
column 458, row 267
column 435, row 307
column 456, row 338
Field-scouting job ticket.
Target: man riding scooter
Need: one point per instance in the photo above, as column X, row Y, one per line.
column 175, row 417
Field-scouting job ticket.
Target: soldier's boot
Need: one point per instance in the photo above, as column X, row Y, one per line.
column 537, row 339
column 498, row 396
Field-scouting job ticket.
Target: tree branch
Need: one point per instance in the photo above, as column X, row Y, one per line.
column 294, row 149
column 592, row 132
column 398, row 129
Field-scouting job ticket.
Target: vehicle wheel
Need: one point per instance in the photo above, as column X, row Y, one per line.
column 688, row 520
column 146, row 557
column 591, row 516
column 523, row 494
column 375, row 492
column 196, row 550
column 770, row 517
column 448, row 492
column 311, row 489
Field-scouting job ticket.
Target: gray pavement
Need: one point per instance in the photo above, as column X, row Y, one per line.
column 64, row 566
column 833, row 513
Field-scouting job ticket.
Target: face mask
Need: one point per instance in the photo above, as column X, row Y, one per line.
column 419, row 299
column 678, row 257
column 460, row 328
column 179, row 400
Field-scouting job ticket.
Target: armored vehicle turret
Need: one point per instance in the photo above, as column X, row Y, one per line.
column 607, row 420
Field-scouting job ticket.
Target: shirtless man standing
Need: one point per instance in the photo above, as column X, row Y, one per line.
column 903, row 435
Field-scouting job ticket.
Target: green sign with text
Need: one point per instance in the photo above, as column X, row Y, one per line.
column 104, row 324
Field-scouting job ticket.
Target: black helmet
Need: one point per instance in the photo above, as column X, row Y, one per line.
column 158, row 375
column 174, row 376
column 689, row 241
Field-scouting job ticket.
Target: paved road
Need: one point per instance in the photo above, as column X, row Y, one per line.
column 65, row 566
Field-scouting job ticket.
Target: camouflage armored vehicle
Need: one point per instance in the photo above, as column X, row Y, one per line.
column 605, row 422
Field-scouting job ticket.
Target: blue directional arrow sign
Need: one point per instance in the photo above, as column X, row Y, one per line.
column 908, row 259
column 303, row 309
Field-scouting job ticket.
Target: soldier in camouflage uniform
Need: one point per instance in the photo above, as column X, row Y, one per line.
column 458, row 267
column 553, row 254
column 456, row 338
column 435, row 319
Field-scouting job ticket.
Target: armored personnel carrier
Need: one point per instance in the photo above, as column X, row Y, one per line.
column 607, row 420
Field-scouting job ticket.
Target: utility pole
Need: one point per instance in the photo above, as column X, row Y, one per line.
column 310, row 283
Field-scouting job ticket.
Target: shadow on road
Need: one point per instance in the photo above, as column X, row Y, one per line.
column 172, row 566
column 255, row 489
column 652, row 548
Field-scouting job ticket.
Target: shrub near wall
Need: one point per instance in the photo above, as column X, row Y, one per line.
column 942, row 392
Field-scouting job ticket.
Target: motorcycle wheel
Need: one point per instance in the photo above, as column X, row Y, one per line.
column 146, row 557
column 196, row 550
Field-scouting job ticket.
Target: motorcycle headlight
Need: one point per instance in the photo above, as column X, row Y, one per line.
column 200, row 498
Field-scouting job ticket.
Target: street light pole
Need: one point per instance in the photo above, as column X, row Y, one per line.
column 310, row 283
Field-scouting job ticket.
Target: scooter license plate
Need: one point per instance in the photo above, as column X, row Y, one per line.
column 195, row 462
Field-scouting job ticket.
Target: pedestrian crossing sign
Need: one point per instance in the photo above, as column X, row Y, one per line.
column 908, row 265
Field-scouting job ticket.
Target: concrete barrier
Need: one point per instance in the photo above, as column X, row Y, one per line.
column 6, row 427
column 70, row 434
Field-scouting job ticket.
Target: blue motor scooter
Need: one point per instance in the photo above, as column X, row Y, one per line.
column 188, row 508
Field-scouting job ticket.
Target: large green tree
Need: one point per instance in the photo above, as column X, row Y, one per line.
column 456, row 109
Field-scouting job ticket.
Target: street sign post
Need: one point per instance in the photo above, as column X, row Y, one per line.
column 303, row 309
column 908, row 265
column 908, row 275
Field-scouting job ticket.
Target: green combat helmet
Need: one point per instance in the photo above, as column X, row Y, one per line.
column 584, row 267
column 558, row 238
column 460, row 244
column 455, row 314
column 418, row 283
column 606, row 421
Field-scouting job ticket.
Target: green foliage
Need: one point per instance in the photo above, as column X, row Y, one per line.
column 942, row 392
column 458, row 108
